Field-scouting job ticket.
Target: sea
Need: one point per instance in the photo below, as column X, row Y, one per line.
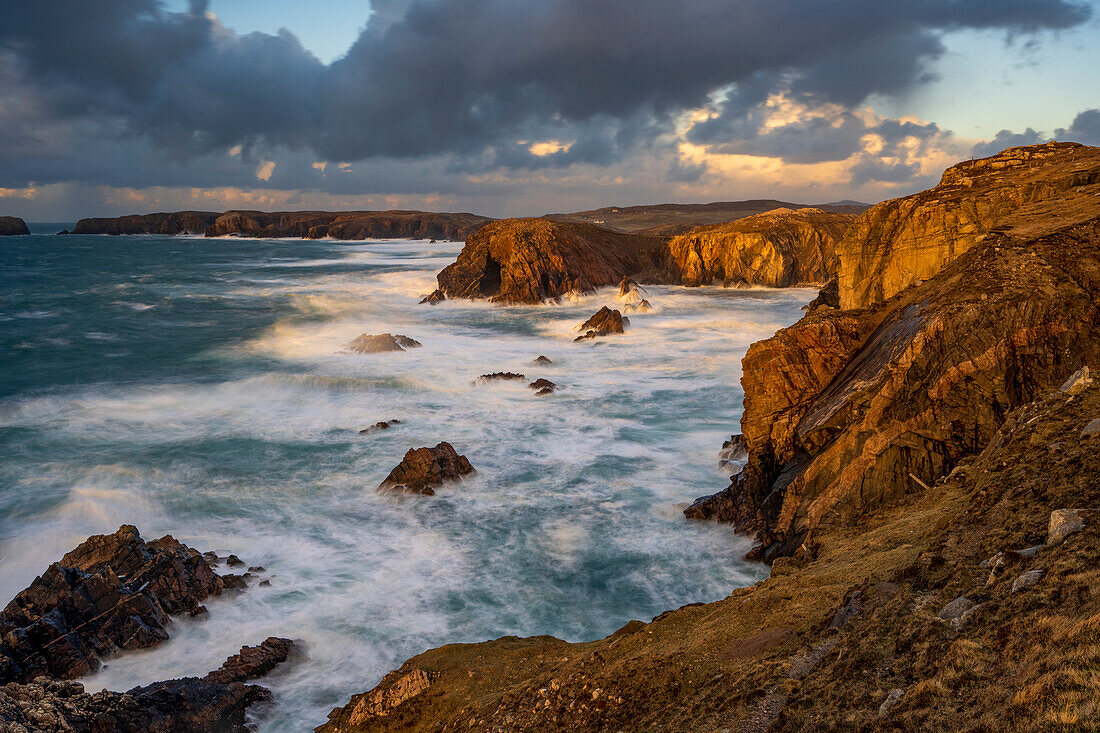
column 201, row 388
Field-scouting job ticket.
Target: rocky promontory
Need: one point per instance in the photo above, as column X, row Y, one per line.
column 176, row 222
column 346, row 224
column 12, row 226
column 1025, row 191
column 533, row 260
column 779, row 248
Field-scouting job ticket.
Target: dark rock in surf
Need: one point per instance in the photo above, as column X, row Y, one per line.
column 252, row 662
column 543, row 386
column 436, row 296
column 733, row 453
column 383, row 425
column 422, row 469
column 605, row 321
column 501, row 376
column 542, row 361
column 12, row 225
column 112, row 593
column 378, row 343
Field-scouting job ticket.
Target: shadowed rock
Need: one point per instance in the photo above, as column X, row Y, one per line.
column 542, row 361
column 543, row 387
column 177, row 222
column 374, row 344
column 12, row 226
column 423, row 469
column 378, row 426
column 346, row 224
column 501, row 377
column 436, row 296
column 252, row 662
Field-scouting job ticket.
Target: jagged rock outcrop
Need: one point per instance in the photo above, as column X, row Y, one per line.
column 848, row 410
column 176, row 222
column 533, row 260
column 112, row 593
column 1026, row 191
column 253, row 662
column 12, row 226
column 424, row 469
column 346, row 224
column 780, row 248
column 368, row 343
column 604, row 322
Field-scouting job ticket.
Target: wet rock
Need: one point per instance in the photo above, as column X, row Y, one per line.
column 642, row 306
column 253, row 662
column 1078, row 382
column 542, row 386
column 1063, row 523
column 422, row 469
column 256, row 569
column 1026, row 580
column 235, row 581
column 374, row 344
column 265, row 583
column 631, row 293
column 733, row 452
column 501, row 376
column 112, row 593
column 956, row 608
column 605, row 321
column 378, row 426
column 233, row 561
column 892, row 698
column 436, row 296
column 1093, row 428
column 542, row 361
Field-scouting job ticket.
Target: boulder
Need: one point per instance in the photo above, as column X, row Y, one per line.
column 893, row 697
column 1063, row 523
column 423, row 469
column 542, row 361
column 1026, row 580
column 112, row 593
column 1078, row 382
column 605, row 321
column 374, row 344
column 1093, row 428
column 956, row 608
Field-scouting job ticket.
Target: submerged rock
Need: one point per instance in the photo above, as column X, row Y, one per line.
column 641, row 306
column 112, row 593
column 605, row 321
column 423, row 469
column 378, row 426
column 542, row 361
column 373, row 344
column 543, row 387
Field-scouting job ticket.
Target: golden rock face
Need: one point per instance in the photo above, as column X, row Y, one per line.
column 780, row 248
column 1027, row 191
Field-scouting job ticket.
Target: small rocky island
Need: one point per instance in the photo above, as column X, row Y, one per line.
column 12, row 226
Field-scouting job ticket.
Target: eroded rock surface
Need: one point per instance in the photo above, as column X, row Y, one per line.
column 780, row 248
column 424, row 469
column 1027, row 192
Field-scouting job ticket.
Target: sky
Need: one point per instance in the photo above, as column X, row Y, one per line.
column 523, row 107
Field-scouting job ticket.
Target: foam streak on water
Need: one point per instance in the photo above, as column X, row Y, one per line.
column 198, row 387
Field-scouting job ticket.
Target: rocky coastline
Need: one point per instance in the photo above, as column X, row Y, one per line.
column 918, row 461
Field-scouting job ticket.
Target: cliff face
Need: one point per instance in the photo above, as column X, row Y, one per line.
column 673, row 219
column 847, row 411
column 780, row 248
column 1028, row 191
column 177, row 222
column 346, row 225
column 12, row 225
column 532, row 260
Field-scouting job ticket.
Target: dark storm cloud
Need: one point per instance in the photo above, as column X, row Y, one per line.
column 467, row 79
column 1085, row 128
column 1005, row 139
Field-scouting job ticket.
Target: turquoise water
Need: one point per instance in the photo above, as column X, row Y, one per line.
column 197, row 387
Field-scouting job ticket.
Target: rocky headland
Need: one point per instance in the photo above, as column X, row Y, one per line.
column 113, row 594
column 921, row 471
column 347, row 225
column 12, row 226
